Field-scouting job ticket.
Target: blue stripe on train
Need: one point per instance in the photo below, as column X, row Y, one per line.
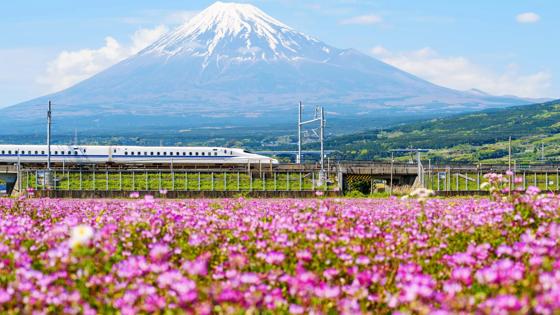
column 119, row 156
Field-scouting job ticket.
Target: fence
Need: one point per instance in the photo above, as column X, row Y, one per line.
column 446, row 179
column 152, row 180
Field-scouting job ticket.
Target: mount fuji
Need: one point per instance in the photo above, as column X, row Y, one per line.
column 234, row 65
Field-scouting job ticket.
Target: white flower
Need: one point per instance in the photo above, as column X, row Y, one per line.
column 80, row 235
column 422, row 193
column 484, row 185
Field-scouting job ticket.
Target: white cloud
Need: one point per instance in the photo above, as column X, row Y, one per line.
column 146, row 36
column 528, row 17
column 460, row 73
column 363, row 20
column 70, row 67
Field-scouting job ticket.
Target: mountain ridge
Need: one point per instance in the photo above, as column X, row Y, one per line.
column 233, row 63
column 472, row 137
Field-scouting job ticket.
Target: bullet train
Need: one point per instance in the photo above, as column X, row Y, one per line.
column 79, row 154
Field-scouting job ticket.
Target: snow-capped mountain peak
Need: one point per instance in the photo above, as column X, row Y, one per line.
column 238, row 32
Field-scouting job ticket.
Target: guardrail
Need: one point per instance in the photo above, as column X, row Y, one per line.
column 457, row 180
column 173, row 180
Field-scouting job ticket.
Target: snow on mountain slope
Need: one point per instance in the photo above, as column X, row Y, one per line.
column 233, row 61
column 237, row 31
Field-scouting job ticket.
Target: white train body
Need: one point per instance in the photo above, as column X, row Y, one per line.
column 80, row 154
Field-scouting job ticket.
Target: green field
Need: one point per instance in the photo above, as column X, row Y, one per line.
column 192, row 181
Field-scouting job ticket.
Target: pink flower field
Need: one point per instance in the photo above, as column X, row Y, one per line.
column 322, row 256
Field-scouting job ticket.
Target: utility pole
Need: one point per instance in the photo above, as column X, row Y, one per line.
column 322, row 136
column 319, row 117
column 509, row 167
column 298, row 157
column 47, row 175
column 420, row 171
column 509, row 154
column 49, row 122
column 392, row 163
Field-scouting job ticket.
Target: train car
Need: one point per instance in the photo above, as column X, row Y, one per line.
column 80, row 154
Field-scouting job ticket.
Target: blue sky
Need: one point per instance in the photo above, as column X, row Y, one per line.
column 499, row 46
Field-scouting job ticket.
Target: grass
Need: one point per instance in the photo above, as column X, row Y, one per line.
column 193, row 181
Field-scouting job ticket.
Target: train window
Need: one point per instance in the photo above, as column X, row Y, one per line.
column 230, row 152
column 202, row 153
column 75, row 152
column 184, row 153
column 3, row 151
column 164, row 153
column 126, row 153
column 85, row 150
column 145, row 153
column 151, row 153
column 10, row 152
column 30, row 152
column 131, row 153
column 55, row 152
column 215, row 153
column 42, row 152
column 69, row 152
column 158, row 153
column 190, row 153
column 225, row 151
column 196, row 153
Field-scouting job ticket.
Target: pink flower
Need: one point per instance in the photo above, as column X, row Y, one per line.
column 229, row 295
column 327, row 292
column 296, row 309
column 274, row 258
column 198, row 267
column 502, row 304
column 532, row 191
column 159, row 252
column 304, row 255
column 5, row 296
column 503, row 271
column 462, row 274
column 362, row 260
column 249, row 278
column 452, row 288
